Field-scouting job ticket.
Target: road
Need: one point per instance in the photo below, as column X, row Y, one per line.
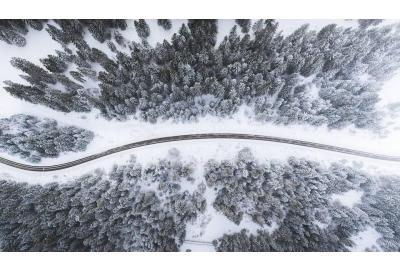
column 207, row 136
column 195, row 245
column 200, row 243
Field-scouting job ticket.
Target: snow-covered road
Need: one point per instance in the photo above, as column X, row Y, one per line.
column 186, row 137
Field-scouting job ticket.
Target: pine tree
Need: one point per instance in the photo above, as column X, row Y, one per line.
column 363, row 24
column 54, row 64
column 142, row 29
column 36, row 24
column 165, row 23
column 72, row 30
column 32, row 138
column 204, row 33
column 37, row 73
column 244, row 24
column 57, row 34
column 12, row 37
column 99, row 29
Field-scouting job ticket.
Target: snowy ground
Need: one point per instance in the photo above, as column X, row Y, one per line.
column 366, row 240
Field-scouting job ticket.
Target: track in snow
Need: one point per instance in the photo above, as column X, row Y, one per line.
column 186, row 137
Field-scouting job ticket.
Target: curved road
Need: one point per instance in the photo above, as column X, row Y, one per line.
column 198, row 137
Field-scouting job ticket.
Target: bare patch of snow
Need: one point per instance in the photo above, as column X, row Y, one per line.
column 348, row 198
column 312, row 88
column 364, row 77
column 390, row 90
column 224, row 28
column 130, row 33
column 389, row 104
column 320, row 224
column 366, row 240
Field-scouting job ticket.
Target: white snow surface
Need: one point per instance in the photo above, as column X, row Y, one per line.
column 390, row 104
column 366, row 240
column 224, row 28
column 348, row 198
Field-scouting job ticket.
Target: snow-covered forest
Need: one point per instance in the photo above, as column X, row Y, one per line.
column 74, row 88
column 33, row 138
column 298, row 205
column 191, row 75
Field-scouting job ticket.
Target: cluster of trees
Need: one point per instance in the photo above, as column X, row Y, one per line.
column 13, row 31
column 297, row 197
column 56, row 87
column 32, row 138
column 190, row 76
column 146, row 208
column 165, row 23
column 382, row 207
column 131, row 208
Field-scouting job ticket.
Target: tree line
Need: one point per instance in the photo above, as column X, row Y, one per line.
column 293, row 203
column 33, row 138
column 191, row 76
column 129, row 208
column 135, row 207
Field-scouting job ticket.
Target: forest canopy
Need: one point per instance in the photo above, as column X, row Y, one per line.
column 191, row 76
column 135, row 207
column 32, row 138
